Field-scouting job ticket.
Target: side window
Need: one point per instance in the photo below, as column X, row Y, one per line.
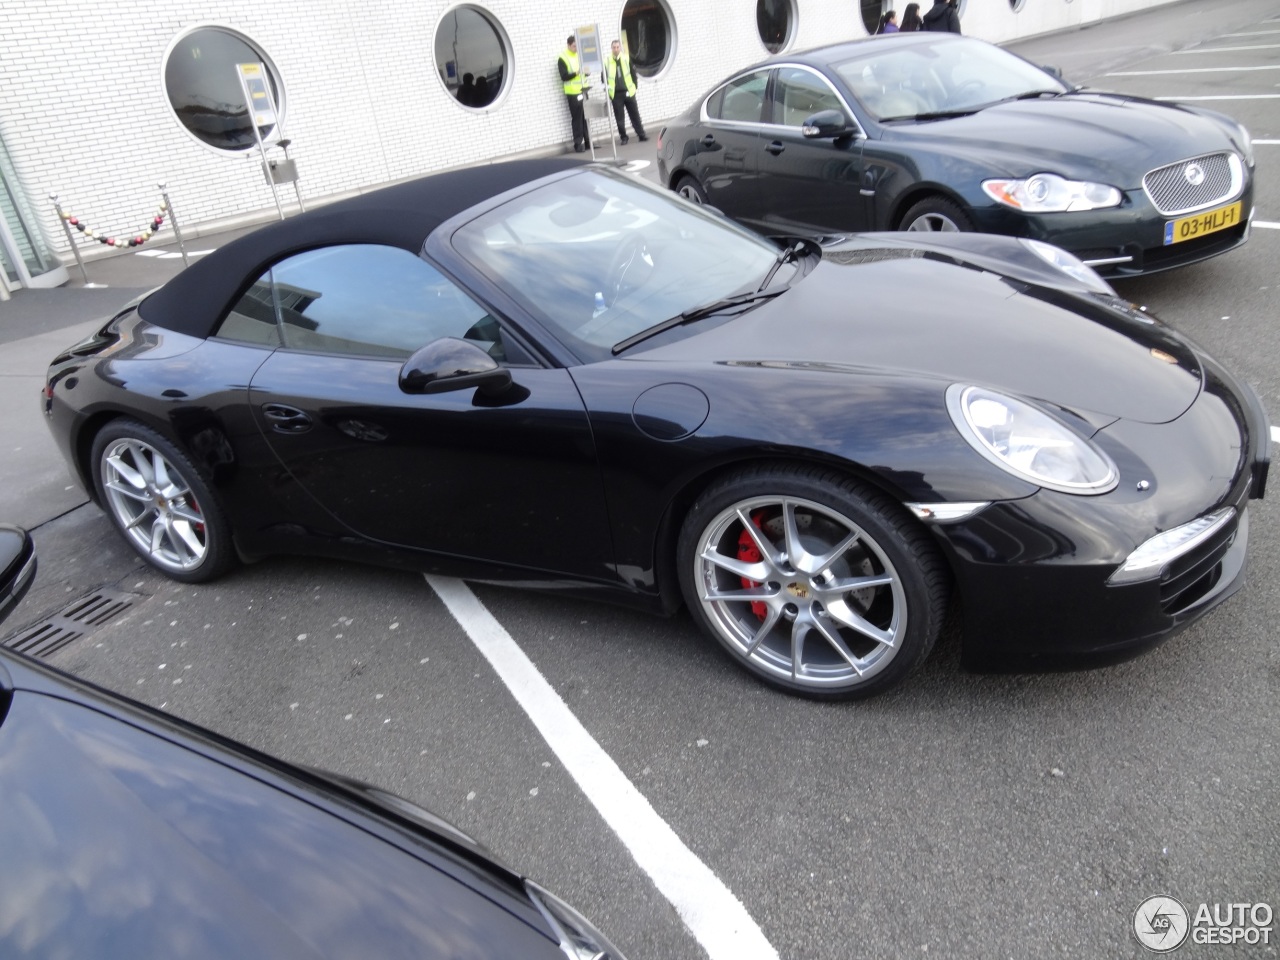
column 740, row 100
column 361, row 300
column 799, row 94
column 253, row 318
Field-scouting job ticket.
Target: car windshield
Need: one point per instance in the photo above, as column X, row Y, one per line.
column 947, row 76
column 600, row 256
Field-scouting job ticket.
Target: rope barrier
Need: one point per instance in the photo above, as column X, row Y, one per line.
column 157, row 221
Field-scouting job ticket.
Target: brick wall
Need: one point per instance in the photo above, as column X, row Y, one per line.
column 84, row 113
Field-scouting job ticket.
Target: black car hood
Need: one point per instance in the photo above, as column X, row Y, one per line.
column 1126, row 137
column 928, row 315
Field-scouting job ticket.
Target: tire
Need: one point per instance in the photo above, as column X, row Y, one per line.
column 160, row 503
column 936, row 215
column 691, row 190
column 801, row 624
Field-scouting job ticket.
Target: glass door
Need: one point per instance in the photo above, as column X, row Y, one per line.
column 25, row 258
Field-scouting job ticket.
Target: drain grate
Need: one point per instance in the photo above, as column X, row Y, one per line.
column 78, row 619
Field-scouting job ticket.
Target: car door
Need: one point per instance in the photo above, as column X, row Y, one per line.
column 508, row 478
column 728, row 147
column 817, row 183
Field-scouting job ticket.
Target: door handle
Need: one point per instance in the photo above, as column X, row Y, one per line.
column 708, row 141
column 776, row 147
column 286, row 419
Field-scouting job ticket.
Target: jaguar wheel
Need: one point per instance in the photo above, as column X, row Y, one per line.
column 160, row 503
column 936, row 215
column 691, row 190
column 812, row 581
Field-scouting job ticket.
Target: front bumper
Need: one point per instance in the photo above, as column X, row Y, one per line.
column 1033, row 574
column 1126, row 241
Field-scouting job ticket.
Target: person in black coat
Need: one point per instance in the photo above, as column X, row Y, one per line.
column 942, row 18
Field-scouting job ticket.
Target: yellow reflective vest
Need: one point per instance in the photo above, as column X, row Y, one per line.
column 611, row 74
column 572, row 86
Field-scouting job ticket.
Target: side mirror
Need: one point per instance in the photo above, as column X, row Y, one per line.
column 452, row 364
column 17, row 566
column 1055, row 72
column 827, row 124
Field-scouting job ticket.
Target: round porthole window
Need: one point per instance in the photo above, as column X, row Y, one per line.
column 473, row 56
column 650, row 35
column 203, row 86
column 871, row 12
column 776, row 22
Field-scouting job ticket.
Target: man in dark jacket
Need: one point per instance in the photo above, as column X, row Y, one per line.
column 942, row 17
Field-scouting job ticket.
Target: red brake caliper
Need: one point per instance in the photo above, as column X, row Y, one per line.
column 748, row 552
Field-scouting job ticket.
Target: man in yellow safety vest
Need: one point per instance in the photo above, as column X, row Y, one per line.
column 571, row 78
column 620, row 79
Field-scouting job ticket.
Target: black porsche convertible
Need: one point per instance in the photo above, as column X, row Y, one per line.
column 548, row 372
column 935, row 132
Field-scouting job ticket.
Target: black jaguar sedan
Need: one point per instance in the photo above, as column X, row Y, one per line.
column 551, row 373
column 936, row 132
column 128, row 834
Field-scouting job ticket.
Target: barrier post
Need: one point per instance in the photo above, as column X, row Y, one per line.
column 173, row 218
column 62, row 218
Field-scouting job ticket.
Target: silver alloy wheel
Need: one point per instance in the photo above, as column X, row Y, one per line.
column 800, row 591
column 154, row 505
column 933, row 223
column 690, row 192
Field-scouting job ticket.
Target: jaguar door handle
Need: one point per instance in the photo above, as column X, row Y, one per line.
column 776, row 147
column 286, row 419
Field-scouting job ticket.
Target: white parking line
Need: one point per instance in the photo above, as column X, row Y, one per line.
column 1267, row 143
column 1252, row 46
column 1157, row 73
column 1266, row 225
column 1275, row 434
column 1230, row 96
column 715, row 917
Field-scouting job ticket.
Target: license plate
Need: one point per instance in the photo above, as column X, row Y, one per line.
column 1188, row 228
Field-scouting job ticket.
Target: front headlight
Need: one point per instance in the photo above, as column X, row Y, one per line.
column 1028, row 442
column 1050, row 193
column 1069, row 264
column 1246, row 144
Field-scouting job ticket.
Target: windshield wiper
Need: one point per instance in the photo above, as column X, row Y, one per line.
column 936, row 115
column 789, row 252
column 1032, row 95
column 969, row 111
column 760, row 294
column 698, row 313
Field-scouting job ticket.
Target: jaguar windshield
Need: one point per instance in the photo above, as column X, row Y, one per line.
column 951, row 76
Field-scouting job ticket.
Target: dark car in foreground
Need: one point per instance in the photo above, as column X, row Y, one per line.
column 935, row 132
column 545, row 373
column 127, row 833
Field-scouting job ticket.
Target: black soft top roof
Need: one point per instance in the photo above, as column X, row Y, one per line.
column 400, row 216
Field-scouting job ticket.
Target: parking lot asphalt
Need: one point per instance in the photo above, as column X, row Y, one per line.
column 960, row 816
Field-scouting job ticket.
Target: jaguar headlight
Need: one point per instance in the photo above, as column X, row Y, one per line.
column 1050, row 193
column 1028, row 442
column 1069, row 264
